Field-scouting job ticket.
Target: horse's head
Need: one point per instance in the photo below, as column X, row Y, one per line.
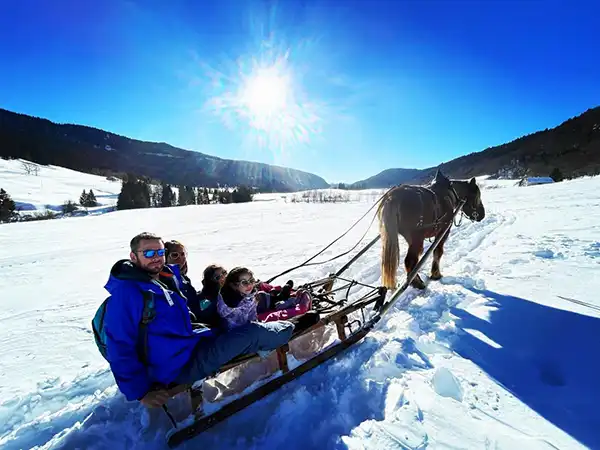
column 473, row 207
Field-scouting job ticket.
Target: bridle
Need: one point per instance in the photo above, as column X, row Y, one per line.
column 475, row 214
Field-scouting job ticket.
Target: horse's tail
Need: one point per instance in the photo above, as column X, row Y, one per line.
column 388, row 230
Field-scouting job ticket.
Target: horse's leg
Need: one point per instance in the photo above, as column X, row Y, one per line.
column 437, row 256
column 415, row 249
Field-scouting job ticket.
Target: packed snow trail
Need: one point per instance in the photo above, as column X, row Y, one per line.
column 492, row 356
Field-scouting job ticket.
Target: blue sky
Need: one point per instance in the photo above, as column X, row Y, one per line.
column 377, row 84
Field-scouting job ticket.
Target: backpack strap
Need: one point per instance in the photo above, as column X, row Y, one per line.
column 148, row 315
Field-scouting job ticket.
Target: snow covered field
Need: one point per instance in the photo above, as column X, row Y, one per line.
column 502, row 353
column 36, row 188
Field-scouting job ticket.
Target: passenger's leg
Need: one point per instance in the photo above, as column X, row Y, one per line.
column 209, row 356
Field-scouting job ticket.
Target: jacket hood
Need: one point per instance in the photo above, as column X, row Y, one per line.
column 125, row 270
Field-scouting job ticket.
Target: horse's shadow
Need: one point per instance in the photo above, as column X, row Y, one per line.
column 547, row 357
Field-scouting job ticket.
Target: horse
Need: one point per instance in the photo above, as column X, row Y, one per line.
column 418, row 213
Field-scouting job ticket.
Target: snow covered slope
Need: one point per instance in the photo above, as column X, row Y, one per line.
column 37, row 188
column 502, row 353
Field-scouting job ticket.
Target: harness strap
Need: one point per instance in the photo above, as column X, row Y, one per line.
column 437, row 209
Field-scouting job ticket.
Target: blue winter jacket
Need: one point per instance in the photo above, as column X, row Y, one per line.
column 171, row 339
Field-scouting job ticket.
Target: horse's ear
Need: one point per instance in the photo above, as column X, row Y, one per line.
column 473, row 182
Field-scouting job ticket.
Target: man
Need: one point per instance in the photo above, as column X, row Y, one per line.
column 173, row 351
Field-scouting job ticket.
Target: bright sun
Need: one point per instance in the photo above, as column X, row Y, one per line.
column 267, row 100
column 265, row 93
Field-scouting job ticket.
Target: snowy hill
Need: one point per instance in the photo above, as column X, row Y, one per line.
column 37, row 188
column 98, row 151
column 502, row 353
column 572, row 147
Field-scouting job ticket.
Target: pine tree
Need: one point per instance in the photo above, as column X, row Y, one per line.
column 556, row 175
column 134, row 194
column 69, row 207
column 203, row 196
column 242, row 194
column 7, row 206
column 92, row 199
column 191, row 194
column 167, row 197
column 125, row 199
column 83, row 198
column 88, row 199
column 141, row 196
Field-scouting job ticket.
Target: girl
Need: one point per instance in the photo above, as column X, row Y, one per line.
column 213, row 279
column 236, row 304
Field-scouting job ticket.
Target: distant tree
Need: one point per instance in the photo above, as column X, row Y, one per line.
column 83, row 198
column 7, row 206
column 556, row 175
column 224, row 196
column 186, row 196
column 203, row 197
column 88, row 199
column 134, row 194
column 30, row 168
column 242, row 194
column 142, row 194
column 69, row 207
column 167, row 198
column 191, row 195
column 92, row 199
column 125, row 199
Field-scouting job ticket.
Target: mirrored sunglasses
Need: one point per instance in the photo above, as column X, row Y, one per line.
column 152, row 253
column 247, row 282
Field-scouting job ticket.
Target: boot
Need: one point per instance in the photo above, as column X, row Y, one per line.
column 305, row 321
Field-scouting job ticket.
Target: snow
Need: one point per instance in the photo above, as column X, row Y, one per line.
column 501, row 353
column 47, row 188
column 446, row 384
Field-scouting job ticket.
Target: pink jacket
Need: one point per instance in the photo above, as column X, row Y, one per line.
column 304, row 305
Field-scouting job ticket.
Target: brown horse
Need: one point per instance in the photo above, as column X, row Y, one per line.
column 417, row 213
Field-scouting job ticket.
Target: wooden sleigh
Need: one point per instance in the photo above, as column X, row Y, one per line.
column 352, row 322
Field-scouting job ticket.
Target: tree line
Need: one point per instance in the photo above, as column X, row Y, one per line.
column 137, row 193
column 142, row 193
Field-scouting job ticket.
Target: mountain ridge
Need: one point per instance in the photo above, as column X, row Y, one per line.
column 573, row 147
column 93, row 150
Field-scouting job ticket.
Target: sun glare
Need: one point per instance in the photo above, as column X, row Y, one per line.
column 264, row 99
column 265, row 93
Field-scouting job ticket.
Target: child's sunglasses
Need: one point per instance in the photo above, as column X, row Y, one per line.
column 177, row 255
column 218, row 276
column 151, row 253
column 247, row 282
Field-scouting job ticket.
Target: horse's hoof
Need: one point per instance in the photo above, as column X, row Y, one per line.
column 418, row 283
column 436, row 276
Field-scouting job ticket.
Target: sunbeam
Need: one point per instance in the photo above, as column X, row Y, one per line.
column 263, row 96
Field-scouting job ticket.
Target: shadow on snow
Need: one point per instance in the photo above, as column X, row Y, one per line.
column 548, row 358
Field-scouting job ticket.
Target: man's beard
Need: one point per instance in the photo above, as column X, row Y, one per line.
column 152, row 270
